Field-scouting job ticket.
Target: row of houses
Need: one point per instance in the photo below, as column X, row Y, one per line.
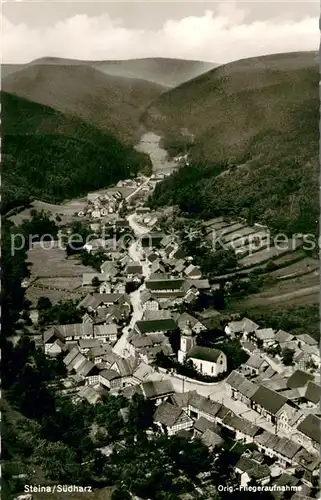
column 305, row 348
column 302, row 425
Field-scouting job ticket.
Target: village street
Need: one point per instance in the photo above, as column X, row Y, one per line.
column 121, row 347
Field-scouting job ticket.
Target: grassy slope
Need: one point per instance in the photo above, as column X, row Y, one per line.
column 261, row 109
column 53, row 157
column 111, row 103
column 159, row 70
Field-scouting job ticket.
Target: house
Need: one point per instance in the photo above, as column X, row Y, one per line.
column 157, row 267
column 161, row 314
column 186, row 319
column 287, row 418
column 109, row 268
column 148, row 301
column 282, row 338
column 161, row 286
column 211, row 362
column 193, row 272
column 313, row 393
column 110, row 379
column 239, row 388
column 96, row 354
column 240, row 328
column 250, row 470
column 212, row 440
column 105, row 287
column 74, row 332
column 125, row 369
column 202, row 425
column 304, row 338
column 299, row 378
column 151, row 240
column 171, row 419
column 134, row 269
column 106, row 333
column 150, row 255
column 267, row 402
column 94, row 300
column 254, row 365
column 158, row 390
column 283, row 450
column 308, row 432
column 86, row 344
column 309, row 464
column 53, row 345
column 155, row 326
column 264, row 337
column 200, row 284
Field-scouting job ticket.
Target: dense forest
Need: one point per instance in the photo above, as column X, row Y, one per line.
column 255, row 149
column 277, row 183
column 50, row 156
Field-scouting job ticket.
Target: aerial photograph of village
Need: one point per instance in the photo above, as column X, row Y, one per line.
column 160, row 259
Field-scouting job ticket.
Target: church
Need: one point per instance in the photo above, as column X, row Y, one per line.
column 207, row 361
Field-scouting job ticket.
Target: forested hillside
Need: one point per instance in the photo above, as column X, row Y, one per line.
column 50, row 156
column 258, row 122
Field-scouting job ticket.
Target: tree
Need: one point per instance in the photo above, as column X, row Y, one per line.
column 120, row 493
column 43, row 303
column 95, row 282
column 287, row 356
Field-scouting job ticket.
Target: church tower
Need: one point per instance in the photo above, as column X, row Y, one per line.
column 187, row 342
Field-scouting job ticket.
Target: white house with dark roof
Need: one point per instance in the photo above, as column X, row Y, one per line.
column 208, row 361
column 106, row 333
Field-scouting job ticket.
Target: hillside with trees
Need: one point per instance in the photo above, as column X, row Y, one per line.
column 48, row 155
column 252, row 140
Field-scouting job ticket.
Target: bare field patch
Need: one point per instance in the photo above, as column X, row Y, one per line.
column 52, row 263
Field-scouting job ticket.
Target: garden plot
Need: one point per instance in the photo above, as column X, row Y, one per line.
column 304, row 266
column 231, row 228
column 267, row 254
column 239, row 234
column 211, row 222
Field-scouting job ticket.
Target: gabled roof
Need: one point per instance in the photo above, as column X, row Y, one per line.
column 160, row 314
column 307, row 339
column 157, row 388
column 269, row 400
column 202, row 424
column 183, row 318
column 156, row 325
column 75, row 329
column 191, row 269
column 313, row 392
column 200, row 284
column 102, row 330
column 204, row 353
column 211, row 439
column 109, row 374
column 168, row 414
column 299, row 379
column 253, row 469
column 71, row 355
column 255, row 361
column 165, row 284
column 88, row 343
column 311, row 427
column 281, row 336
column 95, row 299
column 244, row 325
column 264, row 334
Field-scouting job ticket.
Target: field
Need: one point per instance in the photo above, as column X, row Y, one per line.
column 303, row 290
column 54, row 276
column 66, row 210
